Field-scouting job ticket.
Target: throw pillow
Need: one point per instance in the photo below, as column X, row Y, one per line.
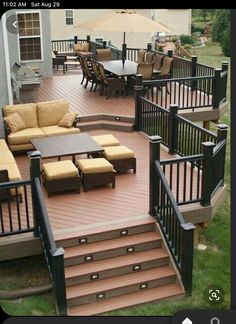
column 77, row 47
column 14, row 122
column 85, row 47
column 67, row 120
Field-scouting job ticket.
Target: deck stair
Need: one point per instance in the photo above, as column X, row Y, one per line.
column 116, row 265
column 106, row 121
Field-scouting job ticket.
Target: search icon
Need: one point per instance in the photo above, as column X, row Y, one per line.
column 215, row 320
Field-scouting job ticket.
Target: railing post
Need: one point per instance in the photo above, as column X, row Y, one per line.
column 216, row 89
column 149, row 46
column 138, row 92
column 221, row 132
column 194, row 72
column 35, row 173
column 170, row 52
column 154, row 148
column 225, row 66
column 173, row 128
column 207, row 168
column 75, row 39
column 104, row 44
column 88, row 38
column 187, row 256
column 59, row 280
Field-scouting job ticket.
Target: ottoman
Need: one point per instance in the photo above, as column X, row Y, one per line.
column 60, row 176
column 95, row 172
column 121, row 157
column 106, row 140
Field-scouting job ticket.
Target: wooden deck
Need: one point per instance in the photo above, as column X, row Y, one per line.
column 99, row 204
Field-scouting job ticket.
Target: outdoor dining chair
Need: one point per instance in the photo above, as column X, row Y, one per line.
column 141, row 54
column 103, row 54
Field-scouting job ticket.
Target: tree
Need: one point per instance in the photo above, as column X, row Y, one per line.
column 221, row 30
column 222, row 21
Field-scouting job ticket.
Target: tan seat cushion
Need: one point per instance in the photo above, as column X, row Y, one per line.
column 51, row 112
column 97, row 165
column 21, row 147
column 106, row 140
column 77, row 47
column 14, row 122
column 68, row 119
column 24, row 136
column 57, row 130
column 13, row 171
column 85, row 47
column 6, row 157
column 118, row 152
column 27, row 112
column 60, row 170
column 3, row 145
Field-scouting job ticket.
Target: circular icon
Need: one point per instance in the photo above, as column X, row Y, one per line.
column 11, row 24
column 214, row 294
column 215, row 320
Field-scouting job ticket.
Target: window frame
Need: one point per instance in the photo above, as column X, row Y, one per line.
column 33, row 36
column 73, row 17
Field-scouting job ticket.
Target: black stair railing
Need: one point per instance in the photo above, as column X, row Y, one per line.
column 177, row 233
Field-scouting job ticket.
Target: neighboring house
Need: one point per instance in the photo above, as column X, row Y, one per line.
column 63, row 24
column 29, row 44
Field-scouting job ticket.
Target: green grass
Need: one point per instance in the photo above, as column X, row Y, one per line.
column 211, row 266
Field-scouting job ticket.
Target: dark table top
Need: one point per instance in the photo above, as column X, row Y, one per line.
column 64, row 145
column 116, row 67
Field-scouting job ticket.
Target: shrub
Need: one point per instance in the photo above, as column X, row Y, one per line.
column 225, row 42
column 186, row 39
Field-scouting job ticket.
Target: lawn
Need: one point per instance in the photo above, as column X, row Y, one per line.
column 211, row 267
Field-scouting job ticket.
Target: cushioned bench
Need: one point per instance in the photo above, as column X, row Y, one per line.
column 95, row 172
column 60, row 176
column 121, row 157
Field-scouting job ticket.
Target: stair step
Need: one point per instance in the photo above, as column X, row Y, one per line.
column 121, row 118
column 111, row 267
column 120, row 285
column 106, row 124
column 111, row 248
column 132, row 299
column 104, row 230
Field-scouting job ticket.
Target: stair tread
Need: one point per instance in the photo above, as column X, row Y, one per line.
column 132, row 299
column 115, row 262
column 103, row 227
column 110, row 244
column 118, row 281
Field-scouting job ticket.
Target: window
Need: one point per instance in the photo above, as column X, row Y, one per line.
column 69, row 14
column 29, row 36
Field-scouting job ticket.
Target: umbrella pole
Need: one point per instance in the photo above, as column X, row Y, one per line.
column 123, row 50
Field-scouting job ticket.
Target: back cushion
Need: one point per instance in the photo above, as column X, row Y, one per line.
column 85, row 47
column 78, row 47
column 51, row 112
column 27, row 112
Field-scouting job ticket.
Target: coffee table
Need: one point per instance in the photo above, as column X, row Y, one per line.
column 65, row 145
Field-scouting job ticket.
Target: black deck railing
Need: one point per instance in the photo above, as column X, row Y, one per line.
column 24, row 210
column 16, row 209
column 177, row 233
column 184, row 178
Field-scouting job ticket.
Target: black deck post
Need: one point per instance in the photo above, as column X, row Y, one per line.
column 187, row 230
column 221, row 132
column 104, row 44
column 170, row 52
column 216, row 89
column 138, row 92
column 88, row 38
column 149, row 46
column 75, row 39
column 194, row 72
column 207, row 172
column 225, row 66
column 154, row 149
column 34, row 173
column 173, row 128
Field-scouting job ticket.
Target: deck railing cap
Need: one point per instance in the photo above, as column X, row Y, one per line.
column 154, row 139
column 222, row 126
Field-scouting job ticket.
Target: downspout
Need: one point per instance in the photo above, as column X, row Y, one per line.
column 7, row 60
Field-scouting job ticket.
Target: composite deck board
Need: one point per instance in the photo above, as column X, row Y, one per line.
column 99, row 204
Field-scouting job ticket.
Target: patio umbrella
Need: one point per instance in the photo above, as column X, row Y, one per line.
column 126, row 21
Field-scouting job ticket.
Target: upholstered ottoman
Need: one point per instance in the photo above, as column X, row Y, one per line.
column 121, row 157
column 95, row 172
column 106, row 140
column 60, row 176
